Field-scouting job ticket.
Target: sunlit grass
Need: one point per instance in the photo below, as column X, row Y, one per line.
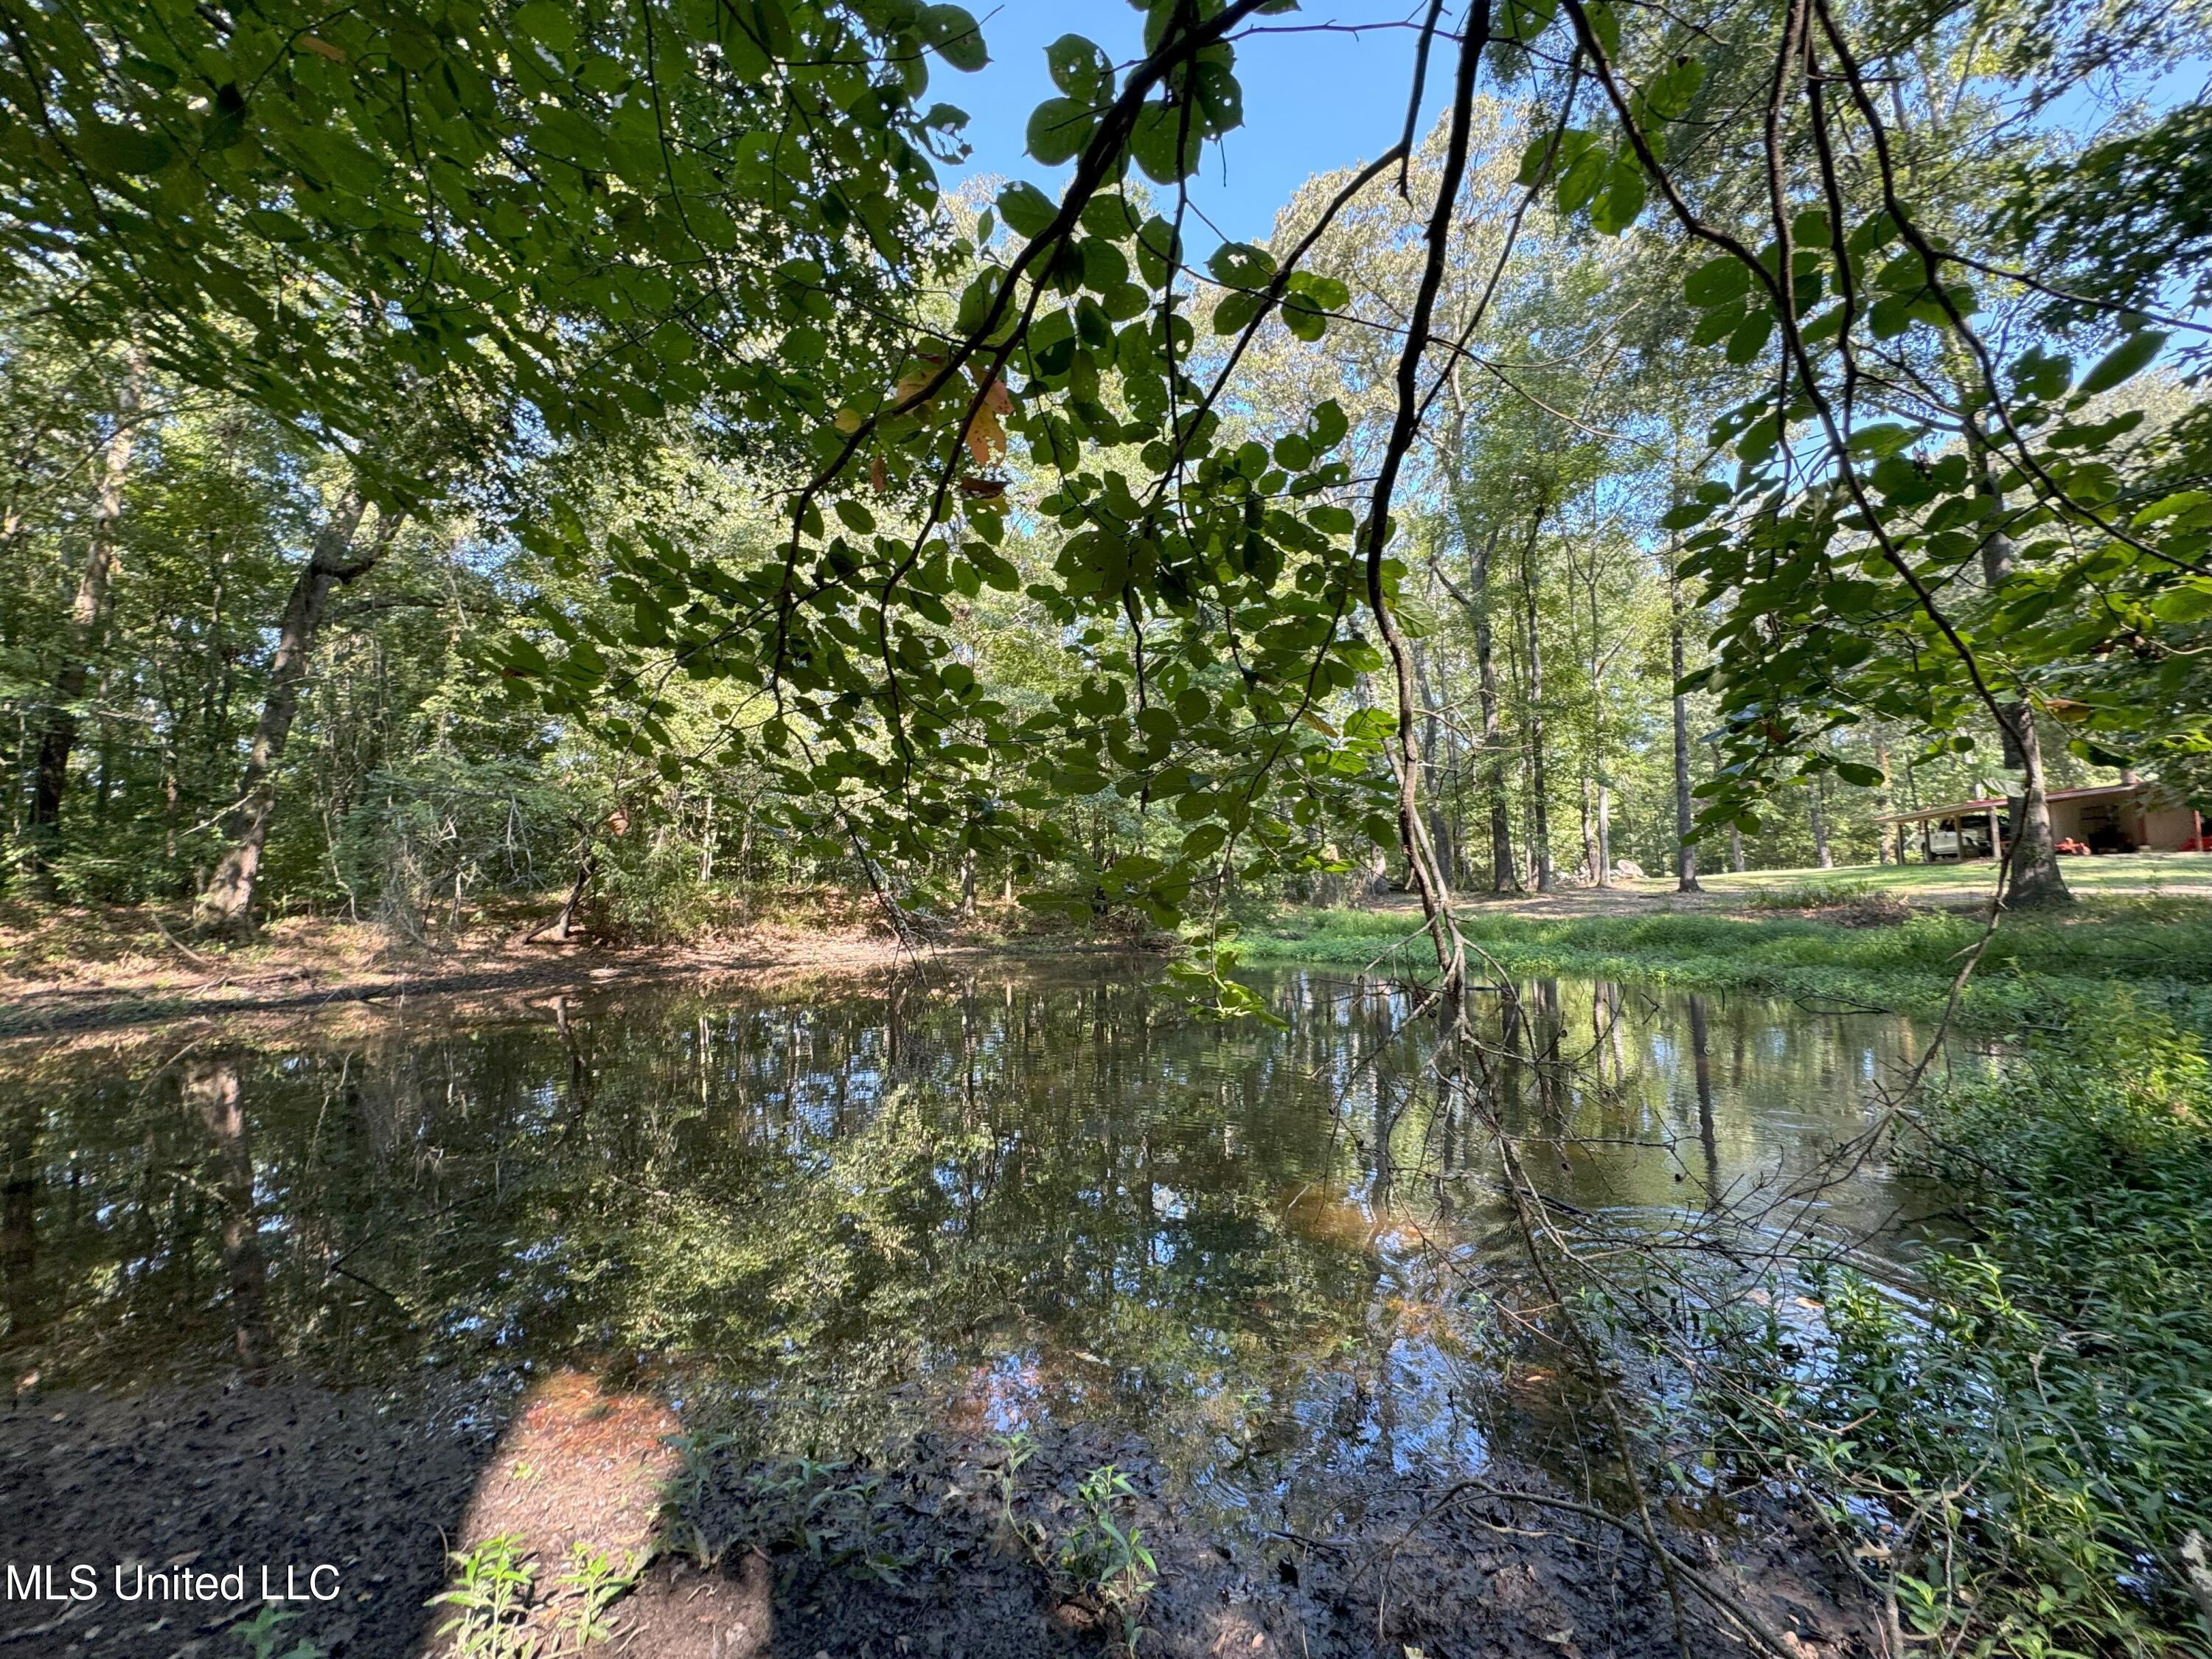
column 2161, row 945
column 2153, row 874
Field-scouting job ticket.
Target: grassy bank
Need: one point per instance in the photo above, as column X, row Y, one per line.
column 2036, row 1429
column 2127, row 875
column 2160, row 946
column 2020, row 1456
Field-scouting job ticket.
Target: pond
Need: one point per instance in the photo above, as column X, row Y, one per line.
column 1004, row 1196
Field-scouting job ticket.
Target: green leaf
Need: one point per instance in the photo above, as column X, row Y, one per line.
column 1750, row 337
column 1236, row 311
column 952, row 31
column 1304, row 318
column 1604, row 24
column 1080, row 69
column 1059, row 128
column 1675, row 89
column 1165, row 143
column 1326, row 292
column 1110, row 217
column 1204, row 840
column 1810, row 229
column 1527, row 19
column 1158, row 248
column 1026, row 210
column 547, row 23
column 2189, row 604
column 160, row 77
column 856, row 517
column 1239, row 264
column 132, row 150
column 2122, row 362
column 1582, row 181
column 1717, row 281
column 1544, row 156
column 1623, row 200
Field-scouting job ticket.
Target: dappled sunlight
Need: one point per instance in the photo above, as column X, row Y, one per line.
column 569, row 1502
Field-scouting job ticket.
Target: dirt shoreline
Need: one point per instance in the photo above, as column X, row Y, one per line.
column 917, row 1550
column 65, row 973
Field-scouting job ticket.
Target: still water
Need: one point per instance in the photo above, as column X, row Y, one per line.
column 1006, row 1195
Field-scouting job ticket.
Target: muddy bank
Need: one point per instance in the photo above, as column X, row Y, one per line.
column 948, row 1545
column 64, row 972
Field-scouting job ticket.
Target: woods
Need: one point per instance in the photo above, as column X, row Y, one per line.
column 2014, row 603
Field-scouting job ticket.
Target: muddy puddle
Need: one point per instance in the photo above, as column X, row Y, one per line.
column 873, row 1322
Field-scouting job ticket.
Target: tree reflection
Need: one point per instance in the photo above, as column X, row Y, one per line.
column 819, row 1212
column 211, row 1093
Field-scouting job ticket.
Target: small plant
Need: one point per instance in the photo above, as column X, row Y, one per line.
column 595, row 1579
column 683, row 1502
column 1110, row 1563
column 261, row 1634
column 1018, row 1447
column 491, row 1602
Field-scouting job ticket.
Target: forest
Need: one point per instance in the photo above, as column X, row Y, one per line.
column 706, row 775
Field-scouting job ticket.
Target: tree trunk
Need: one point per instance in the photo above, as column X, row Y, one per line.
column 561, row 924
column 1685, row 850
column 1601, row 850
column 1736, row 849
column 1883, row 805
column 2032, row 875
column 1442, row 836
column 226, row 904
column 1504, row 877
column 88, row 613
column 1820, row 823
column 1540, row 832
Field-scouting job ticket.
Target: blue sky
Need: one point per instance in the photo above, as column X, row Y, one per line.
column 1312, row 101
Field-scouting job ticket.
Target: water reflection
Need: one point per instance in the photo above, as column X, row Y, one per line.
column 815, row 1219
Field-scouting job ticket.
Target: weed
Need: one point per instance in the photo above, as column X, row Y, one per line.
column 683, row 1504
column 1108, row 1561
column 1817, row 895
column 1017, row 1449
column 261, row 1635
column 594, row 1579
column 490, row 1600
column 2034, row 1432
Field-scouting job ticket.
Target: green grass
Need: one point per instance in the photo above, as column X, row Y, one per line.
column 2038, row 1420
column 2176, row 875
column 2163, row 947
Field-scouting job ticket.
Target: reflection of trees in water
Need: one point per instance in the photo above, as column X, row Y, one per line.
column 821, row 1199
column 1702, row 1070
column 211, row 1094
column 20, row 1186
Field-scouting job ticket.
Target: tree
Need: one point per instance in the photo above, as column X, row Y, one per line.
column 88, row 617
column 225, row 903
